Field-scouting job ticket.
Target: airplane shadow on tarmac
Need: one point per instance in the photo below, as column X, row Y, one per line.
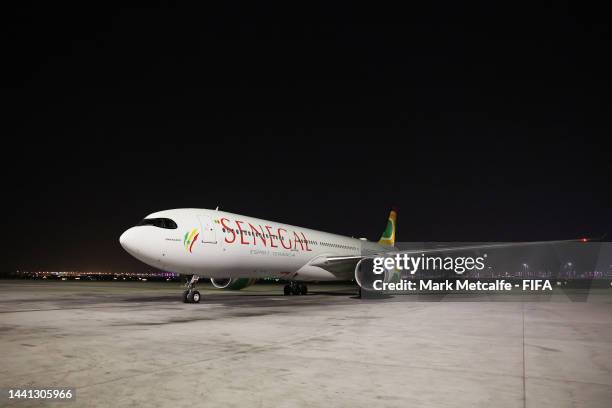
column 250, row 299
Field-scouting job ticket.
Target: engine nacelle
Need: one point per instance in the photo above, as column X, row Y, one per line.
column 366, row 277
column 232, row 283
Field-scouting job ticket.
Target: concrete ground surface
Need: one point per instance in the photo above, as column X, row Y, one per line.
column 133, row 344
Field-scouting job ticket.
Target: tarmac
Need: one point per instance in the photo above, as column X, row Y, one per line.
column 132, row 344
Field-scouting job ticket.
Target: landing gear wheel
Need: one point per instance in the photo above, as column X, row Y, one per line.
column 295, row 288
column 190, row 294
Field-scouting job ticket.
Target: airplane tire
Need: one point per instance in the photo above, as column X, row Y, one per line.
column 195, row 297
column 287, row 290
column 303, row 289
column 185, row 296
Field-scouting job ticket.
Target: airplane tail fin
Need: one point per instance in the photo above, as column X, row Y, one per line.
column 388, row 236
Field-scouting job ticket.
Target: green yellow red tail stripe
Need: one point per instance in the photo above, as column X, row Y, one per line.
column 388, row 236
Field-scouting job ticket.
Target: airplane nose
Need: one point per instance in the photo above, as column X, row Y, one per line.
column 127, row 240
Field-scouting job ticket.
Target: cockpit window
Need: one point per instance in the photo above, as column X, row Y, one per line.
column 166, row 223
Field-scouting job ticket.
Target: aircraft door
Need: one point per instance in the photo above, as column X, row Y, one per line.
column 208, row 229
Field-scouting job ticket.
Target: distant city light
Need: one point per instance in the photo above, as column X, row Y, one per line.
column 110, row 276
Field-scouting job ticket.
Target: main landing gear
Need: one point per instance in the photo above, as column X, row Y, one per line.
column 190, row 294
column 295, row 288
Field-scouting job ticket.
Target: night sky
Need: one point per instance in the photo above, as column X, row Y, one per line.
column 479, row 124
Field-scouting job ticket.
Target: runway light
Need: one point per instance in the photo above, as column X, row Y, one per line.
column 584, row 240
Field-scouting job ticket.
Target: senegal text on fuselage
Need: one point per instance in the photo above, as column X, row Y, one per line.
column 242, row 234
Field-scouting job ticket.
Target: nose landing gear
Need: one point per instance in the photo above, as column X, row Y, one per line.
column 190, row 294
column 295, row 288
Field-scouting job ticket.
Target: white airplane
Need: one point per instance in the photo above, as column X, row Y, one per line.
column 234, row 251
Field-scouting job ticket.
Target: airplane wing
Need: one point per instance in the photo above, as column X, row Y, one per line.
column 342, row 267
column 342, row 264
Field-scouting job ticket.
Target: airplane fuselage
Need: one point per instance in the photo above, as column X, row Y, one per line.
column 219, row 244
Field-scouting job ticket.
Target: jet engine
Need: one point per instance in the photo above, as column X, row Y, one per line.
column 232, row 283
column 367, row 279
